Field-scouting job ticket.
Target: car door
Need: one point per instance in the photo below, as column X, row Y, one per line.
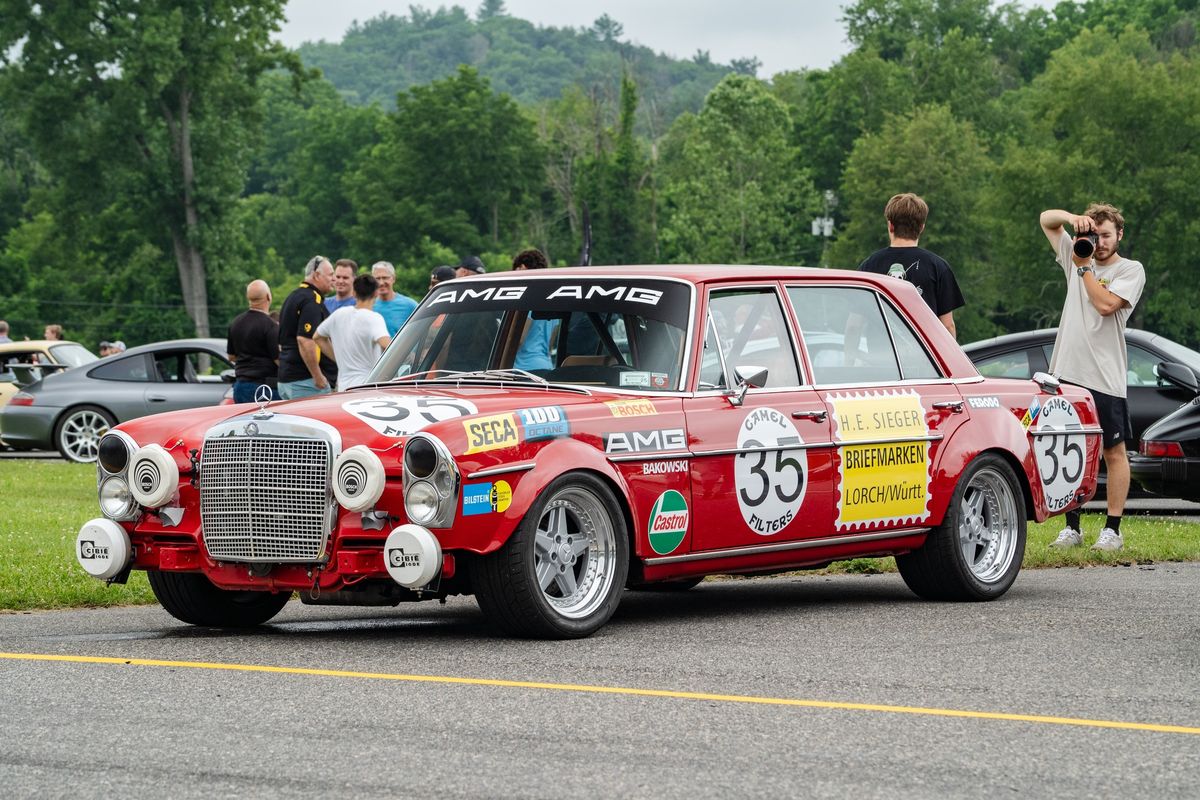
column 760, row 466
column 186, row 378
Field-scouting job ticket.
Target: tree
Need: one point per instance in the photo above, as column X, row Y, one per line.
column 490, row 9
column 746, row 66
column 154, row 101
column 607, row 29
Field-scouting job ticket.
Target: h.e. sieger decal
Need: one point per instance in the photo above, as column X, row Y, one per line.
column 1060, row 458
column 401, row 416
column 770, row 483
column 645, row 441
column 881, row 482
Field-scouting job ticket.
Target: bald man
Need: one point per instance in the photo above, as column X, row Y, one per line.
column 253, row 345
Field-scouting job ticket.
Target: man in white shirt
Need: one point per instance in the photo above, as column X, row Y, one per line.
column 354, row 336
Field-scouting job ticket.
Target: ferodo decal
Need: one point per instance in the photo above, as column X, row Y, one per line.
column 1060, row 458
column 544, row 422
column 881, row 482
column 984, row 402
column 770, row 483
column 668, row 522
column 491, row 433
column 486, row 498
column 400, row 416
column 644, row 441
column 631, row 408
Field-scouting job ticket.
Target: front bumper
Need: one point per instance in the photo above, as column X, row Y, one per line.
column 1167, row 477
column 28, row 427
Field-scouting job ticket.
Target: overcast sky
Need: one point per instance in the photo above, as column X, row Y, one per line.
column 783, row 34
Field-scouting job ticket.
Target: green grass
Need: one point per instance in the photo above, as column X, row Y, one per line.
column 44, row 503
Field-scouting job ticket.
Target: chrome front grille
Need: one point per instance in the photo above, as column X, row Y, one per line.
column 264, row 498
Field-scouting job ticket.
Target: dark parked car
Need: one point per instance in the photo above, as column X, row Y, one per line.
column 1151, row 397
column 1168, row 459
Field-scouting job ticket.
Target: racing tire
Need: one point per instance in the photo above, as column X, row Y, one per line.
column 77, row 433
column 561, row 573
column 668, row 586
column 975, row 554
column 192, row 598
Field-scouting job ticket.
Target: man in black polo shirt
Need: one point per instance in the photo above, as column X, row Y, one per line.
column 253, row 345
column 303, row 370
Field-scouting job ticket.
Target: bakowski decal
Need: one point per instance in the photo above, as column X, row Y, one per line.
column 400, row 416
column 631, row 408
column 984, row 402
column 645, row 441
column 491, row 433
column 668, row 522
column 770, row 483
column 884, row 482
column 544, row 422
column 664, row 467
column 1060, row 459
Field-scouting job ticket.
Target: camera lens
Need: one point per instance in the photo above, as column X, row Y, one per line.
column 1084, row 246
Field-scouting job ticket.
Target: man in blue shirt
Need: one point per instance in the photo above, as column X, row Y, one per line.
column 343, row 285
column 534, row 352
column 395, row 308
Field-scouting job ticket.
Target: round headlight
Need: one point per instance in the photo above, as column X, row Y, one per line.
column 116, row 501
column 358, row 478
column 420, row 457
column 153, row 476
column 114, row 452
column 421, row 502
column 444, row 481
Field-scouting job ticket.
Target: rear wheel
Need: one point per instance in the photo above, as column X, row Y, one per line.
column 560, row 575
column 78, row 433
column 192, row 598
column 975, row 554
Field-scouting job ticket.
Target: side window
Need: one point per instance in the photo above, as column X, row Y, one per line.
column 122, row 369
column 202, row 366
column 1006, row 365
column 846, row 334
column 1140, row 370
column 749, row 329
column 915, row 363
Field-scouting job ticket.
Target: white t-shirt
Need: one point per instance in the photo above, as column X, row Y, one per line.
column 1090, row 348
column 355, row 333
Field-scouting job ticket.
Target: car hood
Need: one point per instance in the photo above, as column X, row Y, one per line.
column 1180, row 425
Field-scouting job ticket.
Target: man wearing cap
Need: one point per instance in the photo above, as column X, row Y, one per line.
column 470, row 265
column 441, row 274
column 253, row 345
column 303, row 369
column 394, row 308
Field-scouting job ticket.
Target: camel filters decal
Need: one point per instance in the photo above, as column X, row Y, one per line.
column 1060, row 458
column 771, row 481
column 668, row 522
column 884, row 481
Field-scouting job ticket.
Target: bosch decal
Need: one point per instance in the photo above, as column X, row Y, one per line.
column 631, row 408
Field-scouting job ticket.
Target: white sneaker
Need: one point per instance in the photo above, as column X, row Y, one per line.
column 1068, row 537
column 1109, row 540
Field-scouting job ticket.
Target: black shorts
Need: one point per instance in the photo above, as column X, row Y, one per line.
column 1114, row 418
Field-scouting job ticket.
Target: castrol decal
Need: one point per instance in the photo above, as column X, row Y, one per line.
column 668, row 522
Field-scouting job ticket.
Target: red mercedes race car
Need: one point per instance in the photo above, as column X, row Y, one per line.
column 546, row 440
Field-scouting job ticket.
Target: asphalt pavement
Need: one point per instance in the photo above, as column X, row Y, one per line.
column 1078, row 683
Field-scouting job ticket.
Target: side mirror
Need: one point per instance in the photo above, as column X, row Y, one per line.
column 748, row 377
column 1180, row 375
column 1048, row 382
column 227, row 376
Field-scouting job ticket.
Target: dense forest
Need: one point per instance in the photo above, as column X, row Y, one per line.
column 152, row 163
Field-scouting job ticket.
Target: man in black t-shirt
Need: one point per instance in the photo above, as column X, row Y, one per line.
column 253, row 345
column 929, row 272
column 303, row 369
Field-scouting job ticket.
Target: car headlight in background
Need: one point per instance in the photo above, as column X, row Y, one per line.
column 358, row 479
column 153, row 476
column 116, row 501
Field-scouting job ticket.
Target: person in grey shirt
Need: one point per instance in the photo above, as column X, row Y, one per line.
column 1102, row 289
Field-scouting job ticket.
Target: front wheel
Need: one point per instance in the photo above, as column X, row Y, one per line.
column 975, row 554
column 560, row 575
column 192, row 598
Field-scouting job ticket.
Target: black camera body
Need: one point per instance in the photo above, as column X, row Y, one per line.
column 1085, row 244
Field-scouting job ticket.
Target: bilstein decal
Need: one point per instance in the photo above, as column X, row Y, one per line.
column 668, row 522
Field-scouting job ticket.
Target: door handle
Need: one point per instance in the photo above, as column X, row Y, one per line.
column 815, row 416
column 156, row 398
column 955, row 406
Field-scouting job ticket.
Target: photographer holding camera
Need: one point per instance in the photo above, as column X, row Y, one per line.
column 1102, row 289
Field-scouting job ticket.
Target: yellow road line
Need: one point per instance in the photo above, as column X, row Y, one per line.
column 617, row 690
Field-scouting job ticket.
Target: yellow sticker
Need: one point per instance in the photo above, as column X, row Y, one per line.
column 631, row 408
column 501, row 496
column 308, row 327
column 491, row 433
column 881, row 481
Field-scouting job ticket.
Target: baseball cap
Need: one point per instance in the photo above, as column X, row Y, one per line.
column 119, row 346
column 444, row 273
column 105, row 345
column 472, row 263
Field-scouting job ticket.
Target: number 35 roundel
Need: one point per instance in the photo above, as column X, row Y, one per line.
column 1060, row 457
column 771, row 480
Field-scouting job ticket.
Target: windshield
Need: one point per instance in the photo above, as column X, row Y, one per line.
column 73, row 355
column 617, row 333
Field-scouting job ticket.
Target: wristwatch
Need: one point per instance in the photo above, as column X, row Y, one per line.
column 1085, row 268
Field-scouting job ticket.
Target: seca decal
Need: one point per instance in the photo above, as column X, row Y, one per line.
column 645, row 441
column 491, row 433
column 400, row 416
column 770, row 483
column 668, row 522
column 631, row 408
column 486, row 498
column 632, row 294
column 983, row 402
column 664, row 467
column 545, row 422
column 1060, row 459
column 882, row 482
column 488, row 293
